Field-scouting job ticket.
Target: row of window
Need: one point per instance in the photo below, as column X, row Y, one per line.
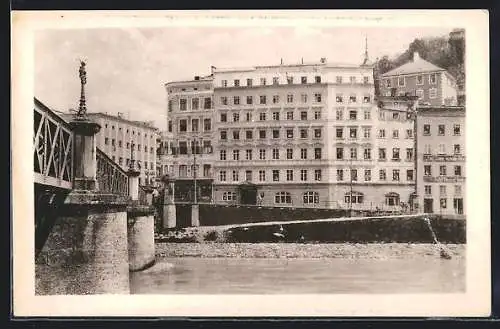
column 352, row 114
column 441, row 130
column 183, row 170
column 275, row 154
column 382, row 175
column 386, row 115
column 195, row 104
column 457, row 190
column 275, row 174
column 128, row 130
column 138, row 163
column 129, row 145
column 367, row 153
column 276, row 115
column 442, row 149
column 309, row 197
column 339, row 132
column 289, row 133
column 199, row 148
column 401, row 81
column 353, row 133
column 457, row 170
column 289, row 175
column 290, row 80
column 249, row 100
column 395, row 133
column 391, row 199
column 275, row 133
column 443, row 204
column 432, row 93
column 195, row 125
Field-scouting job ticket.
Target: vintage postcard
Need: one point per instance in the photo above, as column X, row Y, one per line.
column 251, row 163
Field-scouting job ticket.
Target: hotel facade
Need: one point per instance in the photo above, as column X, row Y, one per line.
column 308, row 135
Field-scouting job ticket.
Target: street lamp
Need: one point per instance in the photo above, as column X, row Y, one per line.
column 350, row 194
column 195, row 219
column 412, row 115
column 195, row 142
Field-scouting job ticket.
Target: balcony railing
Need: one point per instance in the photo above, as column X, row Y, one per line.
column 444, row 157
column 444, row 179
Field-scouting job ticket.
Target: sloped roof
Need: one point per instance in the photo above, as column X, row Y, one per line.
column 417, row 66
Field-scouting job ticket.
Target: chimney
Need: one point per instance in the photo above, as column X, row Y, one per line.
column 416, row 57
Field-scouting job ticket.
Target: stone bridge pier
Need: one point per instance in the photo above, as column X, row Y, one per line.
column 97, row 237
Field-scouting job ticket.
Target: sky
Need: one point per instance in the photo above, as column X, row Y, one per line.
column 127, row 68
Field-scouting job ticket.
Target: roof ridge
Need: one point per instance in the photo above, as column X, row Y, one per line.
column 419, row 66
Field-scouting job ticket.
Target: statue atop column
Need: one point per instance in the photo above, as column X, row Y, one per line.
column 82, row 109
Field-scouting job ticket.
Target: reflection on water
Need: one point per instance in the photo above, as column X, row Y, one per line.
column 299, row 275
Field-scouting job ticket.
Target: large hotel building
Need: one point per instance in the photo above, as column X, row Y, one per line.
column 305, row 135
column 309, row 135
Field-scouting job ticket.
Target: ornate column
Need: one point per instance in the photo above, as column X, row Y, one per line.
column 133, row 176
column 85, row 148
column 86, row 251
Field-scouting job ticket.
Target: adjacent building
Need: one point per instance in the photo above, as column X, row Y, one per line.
column 164, row 142
column 441, row 159
column 190, row 123
column 433, row 85
column 121, row 139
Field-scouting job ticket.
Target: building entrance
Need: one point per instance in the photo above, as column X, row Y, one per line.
column 458, row 205
column 248, row 193
column 428, row 205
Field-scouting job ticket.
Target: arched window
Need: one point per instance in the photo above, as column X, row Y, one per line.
column 354, row 197
column 311, row 197
column 283, row 197
column 392, row 199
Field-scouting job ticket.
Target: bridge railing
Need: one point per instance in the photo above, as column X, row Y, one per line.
column 52, row 148
column 111, row 177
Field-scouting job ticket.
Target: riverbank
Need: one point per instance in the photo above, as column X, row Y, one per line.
column 304, row 250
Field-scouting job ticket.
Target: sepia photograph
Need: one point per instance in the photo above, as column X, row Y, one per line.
column 303, row 160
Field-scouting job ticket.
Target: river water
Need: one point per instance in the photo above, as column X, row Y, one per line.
column 190, row 275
